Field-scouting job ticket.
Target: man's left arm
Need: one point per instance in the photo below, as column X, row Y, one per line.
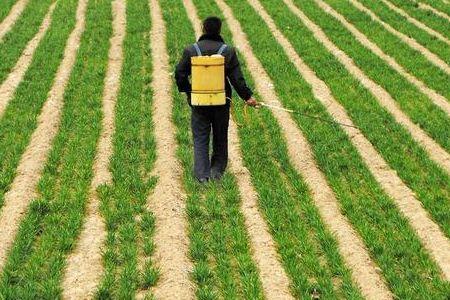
column 182, row 73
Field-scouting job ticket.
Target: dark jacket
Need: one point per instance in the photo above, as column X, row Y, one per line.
column 209, row 45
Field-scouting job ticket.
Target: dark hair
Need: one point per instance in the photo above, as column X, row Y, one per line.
column 212, row 25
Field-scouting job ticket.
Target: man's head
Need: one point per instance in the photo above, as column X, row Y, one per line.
column 212, row 25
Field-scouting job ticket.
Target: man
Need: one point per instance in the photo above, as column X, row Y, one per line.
column 204, row 118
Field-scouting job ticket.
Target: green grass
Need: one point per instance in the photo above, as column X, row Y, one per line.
column 411, row 101
column 431, row 184
column 390, row 240
column 24, row 29
column 130, row 226
column 48, row 233
column 400, row 24
column 439, row 5
column 223, row 267
column 5, row 8
column 20, row 117
column 413, row 62
column 426, row 17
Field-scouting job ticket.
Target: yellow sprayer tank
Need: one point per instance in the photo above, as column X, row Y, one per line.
column 208, row 80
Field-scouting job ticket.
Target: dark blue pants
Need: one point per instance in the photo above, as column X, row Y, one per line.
column 204, row 120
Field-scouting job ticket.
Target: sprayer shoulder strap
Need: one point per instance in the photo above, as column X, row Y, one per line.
column 220, row 51
column 197, row 49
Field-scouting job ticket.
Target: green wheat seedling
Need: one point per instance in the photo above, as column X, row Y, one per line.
column 20, row 117
column 411, row 101
column 414, row 62
column 430, row 183
column 130, row 226
column 438, row 5
column 24, row 29
column 431, row 20
column 5, row 8
column 48, row 232
column 385, row 232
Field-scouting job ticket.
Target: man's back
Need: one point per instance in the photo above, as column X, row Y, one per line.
column 209, row 45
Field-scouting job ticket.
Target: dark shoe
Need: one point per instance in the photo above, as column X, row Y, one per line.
column 203, row 180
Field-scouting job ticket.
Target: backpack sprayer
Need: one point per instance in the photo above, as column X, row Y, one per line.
column 208, row 78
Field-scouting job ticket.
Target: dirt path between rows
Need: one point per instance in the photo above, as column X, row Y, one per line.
column 434, row 10
column 416, row 22
column 350, row 244
column 437, row 99
column 434, row 150
column 84, row 266
column 9, row 86
column 429, row 232
column 167, row 201
column 274, row 279
column 12, row 17
column 23, row 188
column 433, row 58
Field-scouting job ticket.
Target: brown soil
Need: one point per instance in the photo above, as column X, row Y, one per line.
column 168, row 199
column 351, row 247
column 430, row 234
column 416, row 23
column 406, row 39
column 12, row 17
column 434, row 150
column 84, row 265
column 274, row 280
column 23, row 188
column 437, row 99
column 9, row 86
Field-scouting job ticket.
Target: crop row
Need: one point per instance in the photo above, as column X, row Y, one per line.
column 390, row 140
column 440, row 6
column 130, row 227
column 48, row 232
column 412, row 60
column 20, row 117
column 431, row 20
column 420, row 109
column 24, row 29
column 5, row 8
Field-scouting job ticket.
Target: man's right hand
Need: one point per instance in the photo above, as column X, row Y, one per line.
column 252, row 102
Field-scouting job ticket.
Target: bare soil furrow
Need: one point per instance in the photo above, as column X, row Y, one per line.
column 351, row 246
column 433, row 58
column 84, row 265
column 274, row 279
column 9, row 86
column 23, row 188
column 437, row 99
column 167, row 201
column 434, row 10
column 429, row 232
column 434, row 150
column 11, row 19
column 416, row 22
